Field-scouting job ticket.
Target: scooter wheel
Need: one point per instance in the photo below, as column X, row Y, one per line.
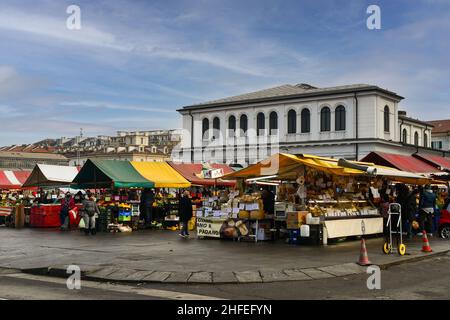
column 401, row 249
column 387, row 248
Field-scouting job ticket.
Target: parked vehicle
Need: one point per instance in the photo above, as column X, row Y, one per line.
column 444, row 222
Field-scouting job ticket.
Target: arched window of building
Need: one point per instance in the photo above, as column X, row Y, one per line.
column 260, row 123
column 216, row 127
column 205, row 128
column 405, row 136
column 292, row 121
column 340, row 118
column 387, row 117
column 306, row 121
column 325, row 119
column 425, row 140
column 231, row 126
column 416, row 139
column 243, row 124
column 273, row 122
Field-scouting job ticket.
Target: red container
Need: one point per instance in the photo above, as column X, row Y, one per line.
column 50, row 221
column 35, row 220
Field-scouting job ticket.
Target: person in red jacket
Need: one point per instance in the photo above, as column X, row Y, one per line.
column 67, row 204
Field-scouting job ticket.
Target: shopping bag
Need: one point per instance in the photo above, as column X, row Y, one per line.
column 81, row 225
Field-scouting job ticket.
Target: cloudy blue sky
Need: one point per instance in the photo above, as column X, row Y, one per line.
column 134, row 63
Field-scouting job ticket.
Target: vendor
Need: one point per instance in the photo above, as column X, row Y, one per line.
column 147, row 199
column 268, row 198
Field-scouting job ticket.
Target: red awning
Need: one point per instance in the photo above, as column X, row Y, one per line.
column 13, row 179
column 190, row 171
column 436, row 161
column 400, row 162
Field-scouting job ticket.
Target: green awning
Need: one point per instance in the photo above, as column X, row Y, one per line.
column 110, row 173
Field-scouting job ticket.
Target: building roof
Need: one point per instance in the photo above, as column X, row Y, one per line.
column 32, row 155
column 288, row 91
column 400, row 162
column 440, row 126
column 417, row 121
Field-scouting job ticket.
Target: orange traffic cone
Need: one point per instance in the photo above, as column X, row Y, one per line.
column 426, row 245
column 363, row 257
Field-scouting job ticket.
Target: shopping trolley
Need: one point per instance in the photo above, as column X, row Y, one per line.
column 394, row 225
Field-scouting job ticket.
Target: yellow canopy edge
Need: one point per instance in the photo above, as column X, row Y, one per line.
column 283, row 165
column 161, row 173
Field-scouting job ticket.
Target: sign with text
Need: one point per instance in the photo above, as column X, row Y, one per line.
column 213, row 173
column 209, row 227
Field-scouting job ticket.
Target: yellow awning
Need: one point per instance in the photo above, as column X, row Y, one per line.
column 161, row 173
column 283, row 165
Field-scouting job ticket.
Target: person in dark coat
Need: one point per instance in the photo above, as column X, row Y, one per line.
column 268, row 199
column 427, row 208
column 147, row 199
column 185, row 213
column 67, row 204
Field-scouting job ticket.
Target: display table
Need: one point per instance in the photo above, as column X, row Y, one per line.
column 353, row 226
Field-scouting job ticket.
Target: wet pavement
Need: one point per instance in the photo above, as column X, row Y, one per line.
column 162, row 256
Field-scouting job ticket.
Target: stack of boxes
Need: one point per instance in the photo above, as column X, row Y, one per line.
column 302, row 233
column 294, row 221
column 104, row 218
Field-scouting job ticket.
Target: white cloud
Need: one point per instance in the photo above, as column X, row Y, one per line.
column 14, row 84
column 55, row 27
column 113, row 106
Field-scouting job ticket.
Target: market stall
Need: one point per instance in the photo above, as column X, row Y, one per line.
column 167, row 183
column 205, row 179
column 10, row 180
column 53, row 181
column 317, row 198
column 121, row 183
column 44, row 175
column 111, row 177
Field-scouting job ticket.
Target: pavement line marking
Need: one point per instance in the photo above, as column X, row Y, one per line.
column 166, row 294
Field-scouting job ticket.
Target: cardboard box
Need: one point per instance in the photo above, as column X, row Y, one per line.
column 297, row 216
column 293, row 224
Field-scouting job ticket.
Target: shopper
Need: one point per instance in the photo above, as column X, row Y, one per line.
column 403, row 193
column 90, row 214
column 185, row 213
column 427, row 206
column 147, row 200
column 410, row 211
column 67, row 204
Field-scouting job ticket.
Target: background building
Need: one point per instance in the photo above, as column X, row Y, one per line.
column 13, row 160
column 153, row 145
column 440, row 137
column 346, row 121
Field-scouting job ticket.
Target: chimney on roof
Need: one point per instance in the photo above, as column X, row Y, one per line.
column 402, row 113
column 305, row 86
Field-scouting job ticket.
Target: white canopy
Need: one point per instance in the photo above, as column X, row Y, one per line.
column 51, row 175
